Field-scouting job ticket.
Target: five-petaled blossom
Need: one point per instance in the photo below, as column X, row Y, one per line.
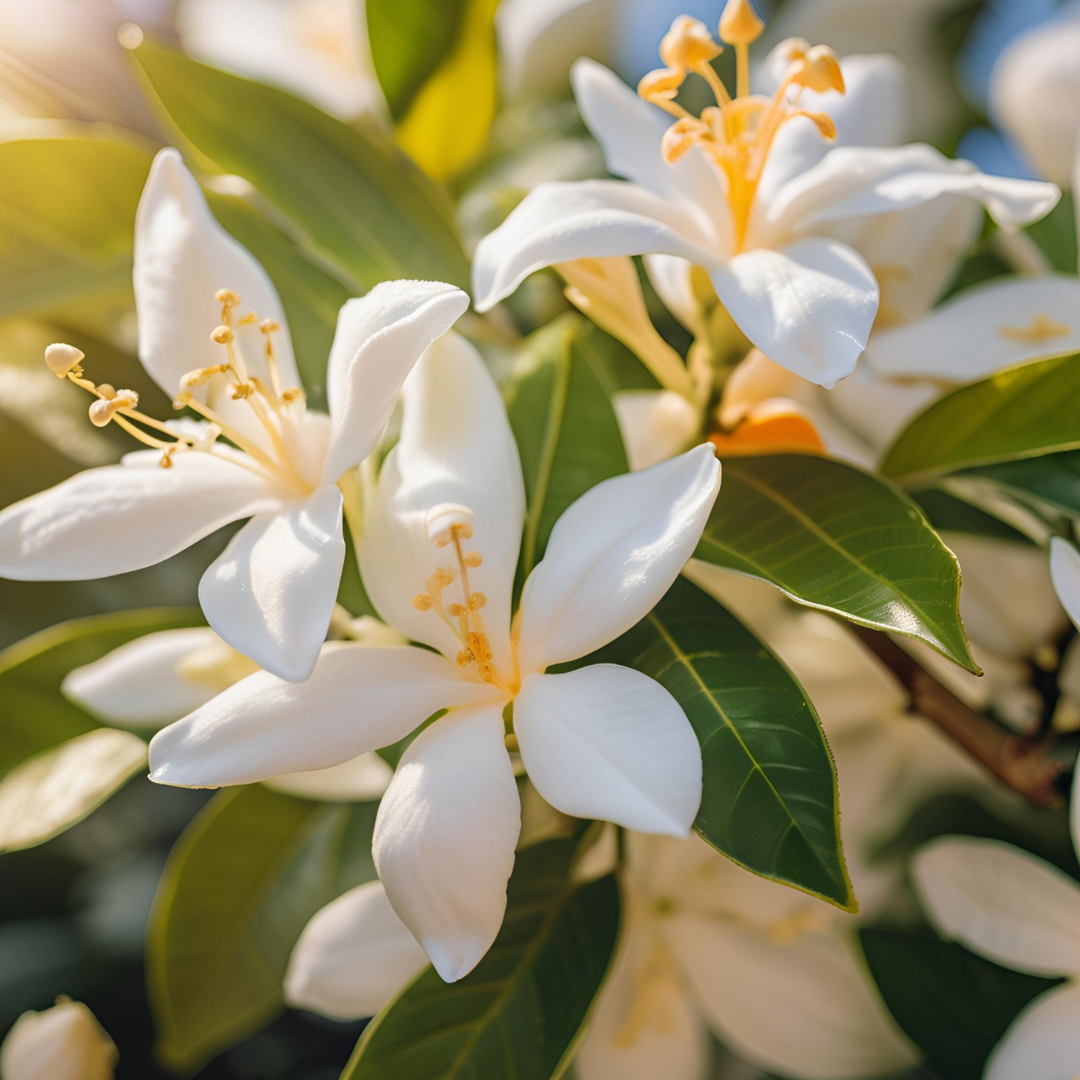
column 748, row 192
column 212, row 335
column 442, row 532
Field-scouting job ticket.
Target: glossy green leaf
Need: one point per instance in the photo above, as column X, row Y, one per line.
column 36, row 716
column 947, row 513
column 769, row 798
column 836, row 538
column 1053, row 479
column 54, row 790
column 564, row 425
column 520, row 1011
column 239, row 886
column 1022, row 412
column 356, row 199
column 953, row 1005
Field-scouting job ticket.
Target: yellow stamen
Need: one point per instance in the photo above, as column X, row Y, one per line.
column 64, row 359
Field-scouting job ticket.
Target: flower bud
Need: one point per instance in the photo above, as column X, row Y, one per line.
column 62, row 1043
column 63, row 358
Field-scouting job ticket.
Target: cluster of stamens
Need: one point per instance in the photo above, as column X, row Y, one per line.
column 268, row 402
column 738, row 132
column 448, row 526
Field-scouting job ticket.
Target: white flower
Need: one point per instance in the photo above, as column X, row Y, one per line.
column 602, row 741
column 1020, row 912
column 749, row 193
column 271, row 593
column 159, row 678
column 61, row 1043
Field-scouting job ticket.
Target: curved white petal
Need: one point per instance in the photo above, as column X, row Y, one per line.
column 124, row 517
column 62, row 1043
column 362, row 779
column 1002, row 902
column 182, row 257
column 379, row 338
column 588, row 219
column 359, row 698
column 809, row 307
column 655, row 425
column 143, row 683
column 1043, row 1042
column 271, row 592
column 608, row 742
column 1065, row 573
column 456, row 447
column 807, row 1008
column 858, row 181
column 445, row 837
column 353, row 957
column 630, row 131
column 612, row 555
column 976, row 333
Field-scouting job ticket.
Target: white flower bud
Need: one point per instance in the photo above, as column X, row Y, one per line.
column 62, row 1043
column 62, row 358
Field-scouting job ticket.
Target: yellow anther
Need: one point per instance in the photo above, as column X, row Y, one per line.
column 242, row 391
column 269, row 326
column 107, row 390
column 291, row 394
column 455, row 611
column 660, row 85
column 682, row 136
column 166, row 461
column 64, row 359
column 472, row 559
column 250, row 319
column 688, row 45
column 825, row 123
column 202, row 375
column 465, row 658
column 448, row 522
column 222, row 335
column 101, row 412
column 227, row 297
column 476, row 601
column 422, row 602
column 820, row 71
column 740, row 24
column 105, row 408
column 439, row 580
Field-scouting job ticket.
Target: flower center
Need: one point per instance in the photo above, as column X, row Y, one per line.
column 1040, row 330
column 271, row 405
column 737, row 133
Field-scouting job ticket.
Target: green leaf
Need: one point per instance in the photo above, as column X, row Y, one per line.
column 769, row 798
column 356, row 199
column 67, row 215
column 1021, row 412
column 520, row 1011
column 836, row 538
column 239, row 886
column 564, row 425
column 54, row 790
column 436, row 63
column 953, row 1005
column 36, row 716
column 947, row 513
column 1053, row 480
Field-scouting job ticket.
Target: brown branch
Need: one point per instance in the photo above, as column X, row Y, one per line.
column 1020, row 763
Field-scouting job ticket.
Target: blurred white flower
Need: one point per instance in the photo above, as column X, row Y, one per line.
column 603, row 741
column 271, row 593
column 61, row 1043
column 1024, row 914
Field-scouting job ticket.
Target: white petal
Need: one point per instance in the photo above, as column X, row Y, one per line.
column 62, row 1043
column 353, row 957
column 359, row 698
column 445, row 837
column 271, row 592
column 182, row 257
column 1002, row 902
column 362, row 779
column 630, row 132
column 589, row 219
column 379, row 338
column 608, row 742
column 857, row 181
column 808, row 307
column 124, row 517
column 1043, row 1042
column 806, row 1009
column 612, row 556
column 143, row 683
column 456, row 447
column 984, row 329
column 1065, row 572
column 655, row 425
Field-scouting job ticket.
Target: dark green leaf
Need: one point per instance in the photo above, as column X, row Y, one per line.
column 953, row 1005
column 769, row 797
column 36, row 716
column 518, row 1014
column 1053, row 479
column 239, row 886
column 1022, row 412
column 564, row 425
column 360, row 202
column 836, row 538
column 947, row 513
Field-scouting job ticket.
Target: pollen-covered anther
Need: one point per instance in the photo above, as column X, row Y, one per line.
column 681, row 137
column 819, row 71
column 740, row 24
column 448, row 522
column 269, row 326
column 105, row 408
column 476, row 601
column 660, row 85
column 222, row 335
column 422, row 602
column 472, row 559
column 198, row 376
column 688, row 45
column 242, row 391
column 227, row 297
column 465, row 658
column 63, row 360
column 291, row 394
